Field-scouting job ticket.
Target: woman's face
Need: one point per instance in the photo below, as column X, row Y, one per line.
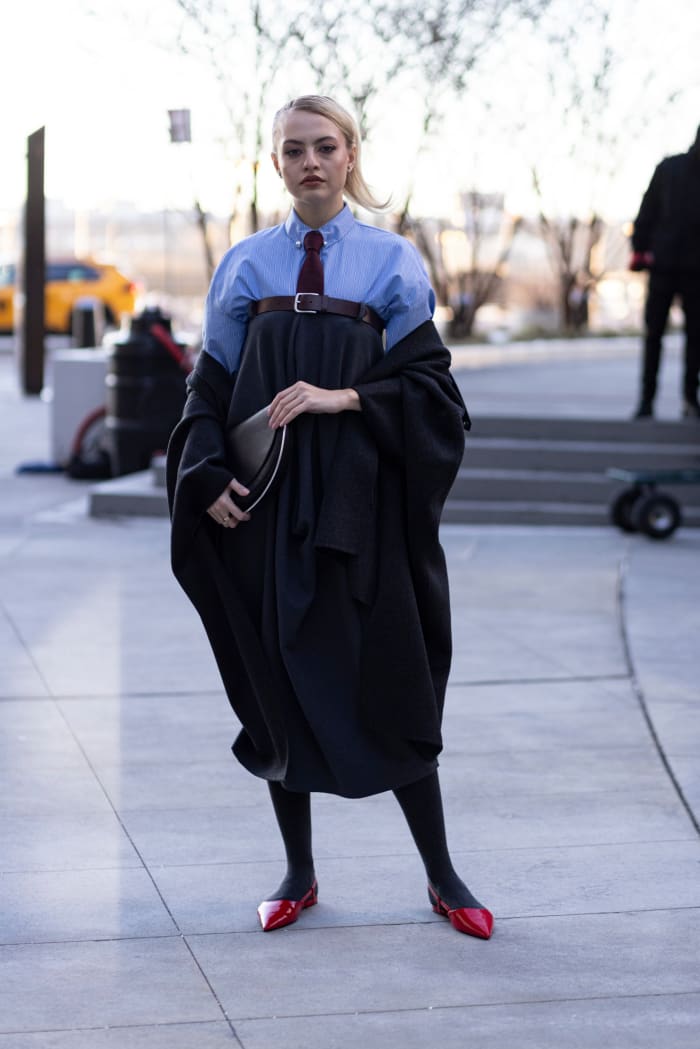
column 313, row 158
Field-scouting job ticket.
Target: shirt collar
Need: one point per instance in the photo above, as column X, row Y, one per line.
column 335, row 230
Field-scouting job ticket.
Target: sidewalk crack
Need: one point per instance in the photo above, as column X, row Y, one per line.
column 639, row 692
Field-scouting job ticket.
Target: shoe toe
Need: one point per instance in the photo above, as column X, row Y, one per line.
column 475, row 921
column 274, row 914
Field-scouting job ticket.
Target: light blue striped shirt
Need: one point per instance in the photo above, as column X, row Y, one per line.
column 360, row 263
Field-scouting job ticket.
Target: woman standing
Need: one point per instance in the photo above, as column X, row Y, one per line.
column 327, row 606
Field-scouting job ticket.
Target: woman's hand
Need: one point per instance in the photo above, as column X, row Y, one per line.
column 224, row 511
column 303, row 397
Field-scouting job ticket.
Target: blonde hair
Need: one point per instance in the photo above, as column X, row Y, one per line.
column 355, row 186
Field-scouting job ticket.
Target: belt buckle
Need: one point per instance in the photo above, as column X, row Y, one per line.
column 305, row 295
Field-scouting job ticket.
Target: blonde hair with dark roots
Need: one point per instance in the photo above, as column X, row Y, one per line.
column 355, row 186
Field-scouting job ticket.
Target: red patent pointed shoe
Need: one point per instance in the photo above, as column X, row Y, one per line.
column 275, row 914
column 474, row 921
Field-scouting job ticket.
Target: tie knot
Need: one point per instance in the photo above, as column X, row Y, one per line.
column 313, row 241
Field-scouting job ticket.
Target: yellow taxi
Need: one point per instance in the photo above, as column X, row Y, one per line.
column 68, row 280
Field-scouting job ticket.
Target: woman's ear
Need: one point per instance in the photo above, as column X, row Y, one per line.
column 276, row 162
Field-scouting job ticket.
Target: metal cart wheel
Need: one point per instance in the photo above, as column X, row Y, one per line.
column 622, row 508
column 657, row 515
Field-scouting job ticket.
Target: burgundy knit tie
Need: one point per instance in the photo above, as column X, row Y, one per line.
column 311, row 273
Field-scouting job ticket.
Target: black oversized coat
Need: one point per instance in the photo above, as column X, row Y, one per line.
column 668, row 222
column 389, row 472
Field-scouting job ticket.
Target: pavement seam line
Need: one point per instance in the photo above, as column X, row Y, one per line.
column 534, row 1002
column 320, row 927
column 564, row 679
column 342, row 858
column 639, row 691
column 507, row 1003
column 158, row 1025
column 146, row 868
column 28, row 652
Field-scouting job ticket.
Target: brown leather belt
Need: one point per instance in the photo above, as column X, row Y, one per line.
column 312, row 302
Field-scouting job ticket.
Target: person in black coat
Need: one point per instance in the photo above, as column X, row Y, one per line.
column 327, row 606
column 666, row 241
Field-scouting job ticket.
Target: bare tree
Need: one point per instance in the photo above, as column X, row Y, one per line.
column 355, row 48
column 570, row 245
column 441, row 46
column 430, row 51
column 593, row 120
column 203, row 224
column 582, row 86
column 214, row 32
column 359, row 50
column 488, row 235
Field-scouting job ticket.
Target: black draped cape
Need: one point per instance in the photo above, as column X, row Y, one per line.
column 328, row 613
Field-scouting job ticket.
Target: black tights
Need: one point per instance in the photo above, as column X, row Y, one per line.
column 293, row 812
column 421, row 803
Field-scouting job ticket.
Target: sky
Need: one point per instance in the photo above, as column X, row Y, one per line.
column 102, row 90
column 103, row 97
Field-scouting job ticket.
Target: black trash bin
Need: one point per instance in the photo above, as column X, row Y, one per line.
column 145, row 392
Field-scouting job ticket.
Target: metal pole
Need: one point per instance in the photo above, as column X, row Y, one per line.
column 32, row 328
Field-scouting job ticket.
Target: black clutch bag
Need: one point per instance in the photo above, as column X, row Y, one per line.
column 257, row 456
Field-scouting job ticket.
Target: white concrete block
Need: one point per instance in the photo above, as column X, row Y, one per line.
column 78, row 388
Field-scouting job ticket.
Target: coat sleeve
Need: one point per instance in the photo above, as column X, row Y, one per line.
column 410, row 434
column 196, row 470
column 415, row 415
column 649, row 212
column 414, row 410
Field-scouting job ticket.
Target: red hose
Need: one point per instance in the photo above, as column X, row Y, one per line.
column 85, row 425
column 176, row 352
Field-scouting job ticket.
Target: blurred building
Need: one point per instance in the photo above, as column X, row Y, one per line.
column 164, row 253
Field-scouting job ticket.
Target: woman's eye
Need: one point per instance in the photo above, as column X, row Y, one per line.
column 327, row 149
column 292, row 152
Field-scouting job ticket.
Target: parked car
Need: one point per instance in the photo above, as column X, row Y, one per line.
column 68, row 280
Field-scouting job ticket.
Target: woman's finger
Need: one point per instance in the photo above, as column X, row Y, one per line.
column 297, row 399
column 231, row 513
column 225, row 511
column 281, row 404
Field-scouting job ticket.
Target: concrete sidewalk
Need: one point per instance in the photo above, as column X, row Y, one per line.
column 135, row 849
